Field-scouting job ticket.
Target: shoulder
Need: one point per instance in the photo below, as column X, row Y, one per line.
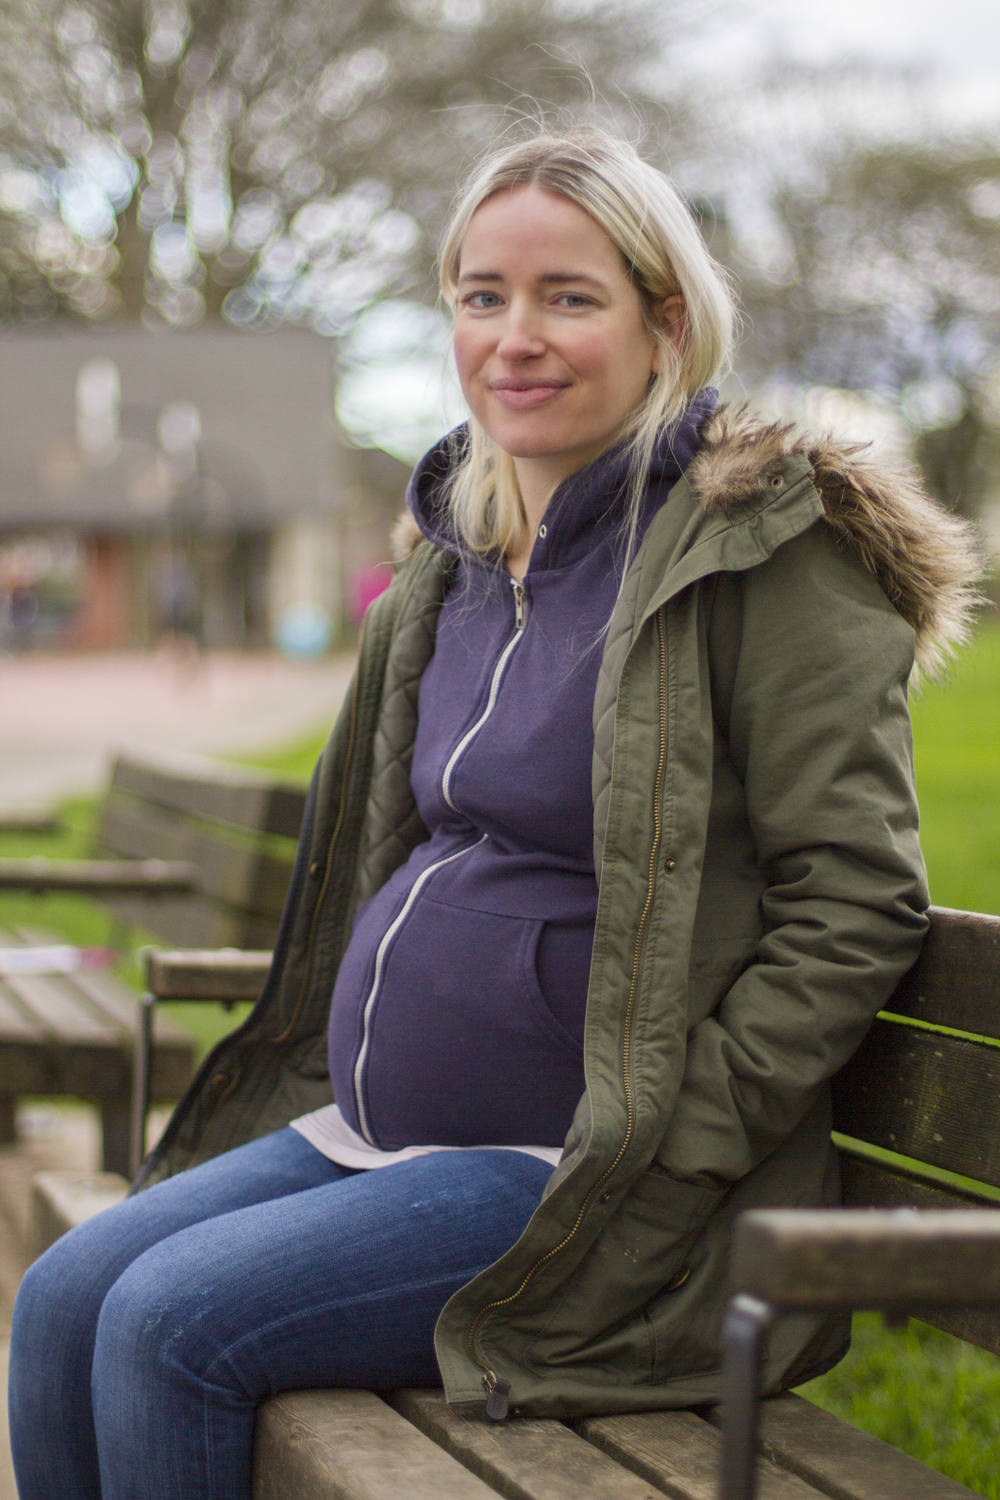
column 926, row 560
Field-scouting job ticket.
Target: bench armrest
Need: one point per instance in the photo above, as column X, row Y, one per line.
column 103, row 877
column 817, row 1259
column 224, row 974
column 786, row 1260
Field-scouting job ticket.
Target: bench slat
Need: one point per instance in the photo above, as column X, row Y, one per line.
column 14, row 1024
column 841, row 1460
column 60, row 1010
column 925, row 1095
column 956, row 980
column 872, row 1184
column 210, row 789
column 97, row 876
column 349, row 1445
column 523, row 1460
column 679, row 1452
column 110, row 996
column 242, row 875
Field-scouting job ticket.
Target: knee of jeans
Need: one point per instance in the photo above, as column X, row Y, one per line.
column 149, row 1319
column 55, row 1286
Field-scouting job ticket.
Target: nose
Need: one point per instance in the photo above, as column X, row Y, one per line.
column 520, row 337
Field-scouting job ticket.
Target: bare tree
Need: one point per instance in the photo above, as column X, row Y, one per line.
column 271, row 160
column 885, row 278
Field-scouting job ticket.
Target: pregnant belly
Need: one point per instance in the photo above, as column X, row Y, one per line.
column 470, row 1033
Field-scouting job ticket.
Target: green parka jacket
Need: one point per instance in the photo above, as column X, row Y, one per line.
column 761, row 894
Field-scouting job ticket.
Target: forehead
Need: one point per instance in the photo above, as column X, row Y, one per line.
column 529, row 229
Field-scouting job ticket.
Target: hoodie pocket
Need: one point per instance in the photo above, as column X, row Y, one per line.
column 462, row 1048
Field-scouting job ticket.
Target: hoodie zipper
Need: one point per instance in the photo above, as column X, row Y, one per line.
column 498, row 1390
column 520, row 621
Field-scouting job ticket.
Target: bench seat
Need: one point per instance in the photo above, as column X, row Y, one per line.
column 356, row 1445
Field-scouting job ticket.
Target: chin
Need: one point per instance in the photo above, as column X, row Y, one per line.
column 523, row 442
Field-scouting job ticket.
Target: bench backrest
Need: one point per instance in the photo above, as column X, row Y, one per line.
column 918, row 1107
column 238, row 826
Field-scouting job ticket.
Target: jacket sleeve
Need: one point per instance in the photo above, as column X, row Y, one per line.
column 810, row 664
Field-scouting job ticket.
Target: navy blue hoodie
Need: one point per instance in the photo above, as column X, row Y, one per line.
column 457, row 1015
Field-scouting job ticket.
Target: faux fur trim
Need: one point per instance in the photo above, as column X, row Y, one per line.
column 927, row 560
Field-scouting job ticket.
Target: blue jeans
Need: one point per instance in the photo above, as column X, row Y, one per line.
column 143, row 1340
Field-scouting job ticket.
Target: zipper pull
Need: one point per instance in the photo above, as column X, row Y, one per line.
column 498, row 1400
column 520, row 605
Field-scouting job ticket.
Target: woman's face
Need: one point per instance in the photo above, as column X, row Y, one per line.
column 551, row 347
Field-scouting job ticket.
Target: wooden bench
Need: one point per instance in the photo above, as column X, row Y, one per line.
column 28, row 817
column 913, row 1090
column 188, row 849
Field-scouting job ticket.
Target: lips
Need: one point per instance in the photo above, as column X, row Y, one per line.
column 519, row 393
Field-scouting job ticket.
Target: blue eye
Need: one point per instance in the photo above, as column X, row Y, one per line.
column 475, row 299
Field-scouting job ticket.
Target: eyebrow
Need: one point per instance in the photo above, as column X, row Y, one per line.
column 549, row 278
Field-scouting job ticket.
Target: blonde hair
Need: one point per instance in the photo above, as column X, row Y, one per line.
column 644, row 215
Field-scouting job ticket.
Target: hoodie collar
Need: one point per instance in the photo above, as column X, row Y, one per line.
column 591, row 500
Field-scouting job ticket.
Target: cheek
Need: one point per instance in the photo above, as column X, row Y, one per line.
column 615, row 358
column 469, row 353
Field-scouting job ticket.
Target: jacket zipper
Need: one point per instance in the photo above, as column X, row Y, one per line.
column 383, row 948
column 520, row 620
column 498, row 1390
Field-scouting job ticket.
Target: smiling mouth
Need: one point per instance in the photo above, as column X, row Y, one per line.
column 523, row 395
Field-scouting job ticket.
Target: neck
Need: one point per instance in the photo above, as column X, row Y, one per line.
column 539, row 478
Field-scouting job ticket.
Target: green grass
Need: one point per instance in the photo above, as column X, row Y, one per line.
column 956, row 726
column 931, row 1395
column 296, row 762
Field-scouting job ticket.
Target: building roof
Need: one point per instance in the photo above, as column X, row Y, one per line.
column 269, row 446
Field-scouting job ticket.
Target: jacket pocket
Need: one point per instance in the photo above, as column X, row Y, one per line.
column 640, row 1255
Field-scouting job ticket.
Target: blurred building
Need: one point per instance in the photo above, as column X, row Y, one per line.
column 193, row 484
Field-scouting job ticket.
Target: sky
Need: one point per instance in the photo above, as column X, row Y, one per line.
column 959, row 40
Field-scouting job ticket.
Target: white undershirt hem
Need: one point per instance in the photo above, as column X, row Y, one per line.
column 329, row 1132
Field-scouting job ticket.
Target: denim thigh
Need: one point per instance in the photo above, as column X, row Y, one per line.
column 338, row 1281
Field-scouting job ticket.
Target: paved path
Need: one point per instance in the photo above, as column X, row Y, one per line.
column 63, row 716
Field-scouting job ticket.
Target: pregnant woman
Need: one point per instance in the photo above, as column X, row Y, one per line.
column 608, row 866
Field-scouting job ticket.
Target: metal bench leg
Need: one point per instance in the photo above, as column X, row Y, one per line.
column 142, row 1071
column 744, row 1331
column 115, row 1135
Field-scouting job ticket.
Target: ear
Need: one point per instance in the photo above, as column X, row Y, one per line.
column 671, row 314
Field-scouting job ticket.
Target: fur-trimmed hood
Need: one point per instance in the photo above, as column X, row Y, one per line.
column 927, row 560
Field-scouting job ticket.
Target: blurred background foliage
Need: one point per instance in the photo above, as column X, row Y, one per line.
column 269, row 162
